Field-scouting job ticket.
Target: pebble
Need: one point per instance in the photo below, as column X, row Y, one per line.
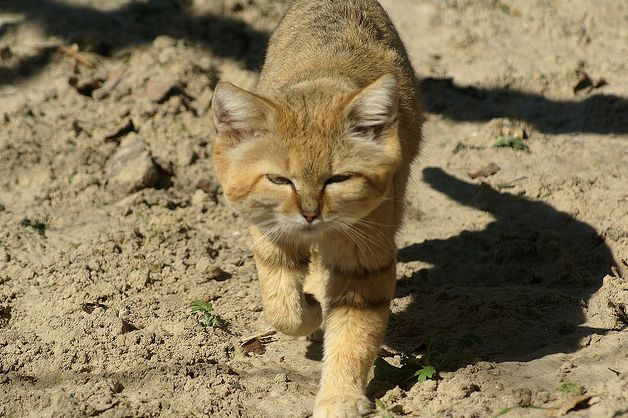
column 522, row 396
column 159, row 90
column 199, row 197
column 132, row 168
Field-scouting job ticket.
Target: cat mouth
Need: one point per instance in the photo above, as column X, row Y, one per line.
column 311, row 229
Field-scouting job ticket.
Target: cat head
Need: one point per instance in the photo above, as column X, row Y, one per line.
column 307, row 161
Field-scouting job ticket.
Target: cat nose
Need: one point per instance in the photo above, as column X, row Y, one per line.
column 309, row 215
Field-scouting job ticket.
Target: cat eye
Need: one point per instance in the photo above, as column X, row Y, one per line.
column 278, row 179
column 338, row 178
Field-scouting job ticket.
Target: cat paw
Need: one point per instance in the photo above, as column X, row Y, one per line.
column 342, row 407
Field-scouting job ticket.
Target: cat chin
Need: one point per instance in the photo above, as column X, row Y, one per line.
column 308, row 232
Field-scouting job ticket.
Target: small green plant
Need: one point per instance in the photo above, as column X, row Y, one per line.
column 461, row 147
column 571, row 388
column 511, row 142
column 505, row 9
column 206, row 309
column 384, row 411
column 410, row 371
column 425, row 373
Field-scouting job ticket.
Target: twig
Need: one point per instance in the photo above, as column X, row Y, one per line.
column 73, row 53
column 69, row 51
column 111, row 83
column 258, row 336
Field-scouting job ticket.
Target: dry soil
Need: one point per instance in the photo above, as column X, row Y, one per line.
column 111, row 221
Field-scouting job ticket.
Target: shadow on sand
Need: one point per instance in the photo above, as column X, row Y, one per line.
column 519, row 285
column 515, row 290
column 136, row 23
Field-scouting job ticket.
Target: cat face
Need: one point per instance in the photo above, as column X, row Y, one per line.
column 310, row 163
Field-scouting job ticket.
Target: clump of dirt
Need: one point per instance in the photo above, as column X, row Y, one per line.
column 112, row 222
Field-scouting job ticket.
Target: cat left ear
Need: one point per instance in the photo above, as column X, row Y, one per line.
column 374, row 108
column 239, row 113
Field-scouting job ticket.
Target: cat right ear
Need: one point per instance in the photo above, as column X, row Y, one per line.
column 374, row 108
column 239, row 113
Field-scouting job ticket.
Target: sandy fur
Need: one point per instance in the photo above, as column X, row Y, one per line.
column 336, row 94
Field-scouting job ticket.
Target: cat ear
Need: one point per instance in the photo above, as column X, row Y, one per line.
column 374, row 108
column 239, row 113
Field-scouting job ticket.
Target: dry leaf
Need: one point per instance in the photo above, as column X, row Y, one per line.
column 254, row 345
column 572, row 404
column 486, row 171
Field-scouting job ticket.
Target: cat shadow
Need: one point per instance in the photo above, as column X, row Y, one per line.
column 597, row 113
column 514, row 291
column 107, row 31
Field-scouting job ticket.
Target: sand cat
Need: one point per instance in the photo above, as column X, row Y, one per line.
column 318, row 159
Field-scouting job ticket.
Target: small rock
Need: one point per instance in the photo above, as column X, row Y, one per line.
column 212, row 188
column 209, row 272
column 132, row 168
column 281, row 378
column 160, row 90
column 522, row 396
column 199, row 197
column 203, row 265
column 126, row 127
column 164, row 41
column 126, row 326
column 124, row 312
column 139, row 279
column 218, row 274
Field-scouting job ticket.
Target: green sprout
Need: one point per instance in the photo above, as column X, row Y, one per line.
column 571, row 388
column 425, row 373
column 410, row 371
column 385, row 411
column 206, row 309
column 511, row 142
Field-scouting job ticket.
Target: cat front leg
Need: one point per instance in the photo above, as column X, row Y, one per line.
column 281, row 270
column 356, row 312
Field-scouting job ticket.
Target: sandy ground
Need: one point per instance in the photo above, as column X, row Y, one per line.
column 109, row 230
